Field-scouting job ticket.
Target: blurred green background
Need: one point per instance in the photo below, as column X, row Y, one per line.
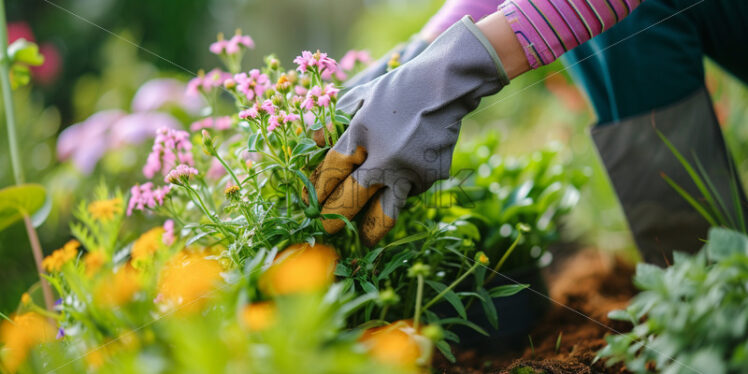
column 99, row 52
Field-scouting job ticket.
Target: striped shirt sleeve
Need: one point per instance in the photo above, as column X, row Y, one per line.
column 546, row 29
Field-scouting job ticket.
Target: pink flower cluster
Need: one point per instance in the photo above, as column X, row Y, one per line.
column 220, row 123
column 232, row 45
column 252, row 85
column 318, row 60
column 280, row 119
column 181, row 173
column 319, row 96
column 255, row 110
column 146, row 196
column 347, row 63
column 207, row 81
column 169, row 236
column 169, row 147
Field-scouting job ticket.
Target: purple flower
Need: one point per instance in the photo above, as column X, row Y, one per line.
column 60, row 333
column 169, row 147
column 86, row 142
column 157, row 93
column 137, row 127
column 182, row 173
column 145, row 196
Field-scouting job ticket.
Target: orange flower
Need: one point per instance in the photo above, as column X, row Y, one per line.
column 187, row 279
column 93, row 262
column 105, row 210
column 118, row 289
column 397, row 344
column 147, row 244
column 300, row 268
column 60, row 257
column 19, row 337
column 259, row 316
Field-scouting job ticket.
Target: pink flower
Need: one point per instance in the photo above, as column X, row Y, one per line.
column 218, row 46
column 157, row 93
column 252, row 85
column 144, row 196
column 216, row 170
column 318, row 60
column 268, row 106
column 180, row 174
column 237, row 41
column 220, row 123
column 319, row 96
column 348, row 62
column 249, row 113
column 169, row 147
column 280, row 119
column 169, row 235
column 206, row 82
column 300, row 90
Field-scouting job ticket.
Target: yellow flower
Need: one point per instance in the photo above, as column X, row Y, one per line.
column 147, row 244
column 105, row 210
column 19, row 337
column 259, row 316
column 300, row 268
column 117, row 289
column 93, row 262
column 25, row 298
column 187, row 280
column 397, row 344
column 298, row 130
column 60, row 257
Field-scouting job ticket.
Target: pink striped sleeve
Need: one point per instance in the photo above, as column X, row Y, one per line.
column 546, row 29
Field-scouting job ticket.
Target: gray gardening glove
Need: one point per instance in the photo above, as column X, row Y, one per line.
column 404, row 51
column 404, row 128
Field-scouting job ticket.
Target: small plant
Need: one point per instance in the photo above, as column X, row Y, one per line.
column 691, row 317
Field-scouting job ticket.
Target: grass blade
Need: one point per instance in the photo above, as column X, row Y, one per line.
column 721, row 209
column 695, row 204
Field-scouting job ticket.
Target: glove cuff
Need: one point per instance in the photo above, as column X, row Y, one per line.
column 470, row 25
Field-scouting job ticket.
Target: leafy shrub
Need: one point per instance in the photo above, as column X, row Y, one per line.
column 691, row 317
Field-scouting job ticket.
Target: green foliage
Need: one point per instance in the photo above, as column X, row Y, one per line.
column 691, row 317
column 23, row 200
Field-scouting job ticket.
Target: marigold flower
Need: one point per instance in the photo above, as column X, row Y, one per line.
column 105, row 210
column 117, row 289
column 20, row 336
column 146, row 245
column 300, row 268
column 397, row 344
column 187, row 279
column 259, row 316
column 60, row 257
column 93, row 262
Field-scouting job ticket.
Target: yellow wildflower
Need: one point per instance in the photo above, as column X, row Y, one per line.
column 19, row 337
column 259, row 316
column 298, row 130
column 60, row 257
column 187, row 279
column 117, row 289
column 25, row 298
column 397, row 344
column 300, row 268
column 147, row 244
column 105, row 210
column 93, row 262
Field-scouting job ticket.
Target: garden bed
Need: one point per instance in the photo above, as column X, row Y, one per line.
column 589, row 281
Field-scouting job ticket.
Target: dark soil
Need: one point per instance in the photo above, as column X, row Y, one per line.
column 589, row 282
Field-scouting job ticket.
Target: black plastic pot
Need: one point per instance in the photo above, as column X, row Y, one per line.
column 518, row 314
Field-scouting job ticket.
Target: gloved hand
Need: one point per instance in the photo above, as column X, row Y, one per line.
column 404, row 128
column 451, row 12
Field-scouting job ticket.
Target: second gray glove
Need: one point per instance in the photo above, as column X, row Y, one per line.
column 403, row 129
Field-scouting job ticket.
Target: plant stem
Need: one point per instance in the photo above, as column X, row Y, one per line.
column 453, row 285
column 15, row 159
column 228, row 169
column 503, row 259
column 419, row 299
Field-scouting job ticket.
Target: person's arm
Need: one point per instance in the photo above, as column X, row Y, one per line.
column 543, row 30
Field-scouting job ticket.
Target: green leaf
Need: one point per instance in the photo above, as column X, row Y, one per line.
column 408, row 239
column 489, row 308
column 507, row 290
column 17, row 201
column 20, row 75
column 41, row 215
column 450, row 296
column 396, row 262
column 464, row 322
column 25, row 52
column 723, row 243
column 254, row 142
column 446, row 351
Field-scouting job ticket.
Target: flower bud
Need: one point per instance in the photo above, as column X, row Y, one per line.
column 277, row 100
column 394, row 62
column 388, row 297
column 232, row 193
column 208, row 144
column 419, row 269
column 433, row 332
column 481, row 258
column 229, row 84
column 521, row 227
